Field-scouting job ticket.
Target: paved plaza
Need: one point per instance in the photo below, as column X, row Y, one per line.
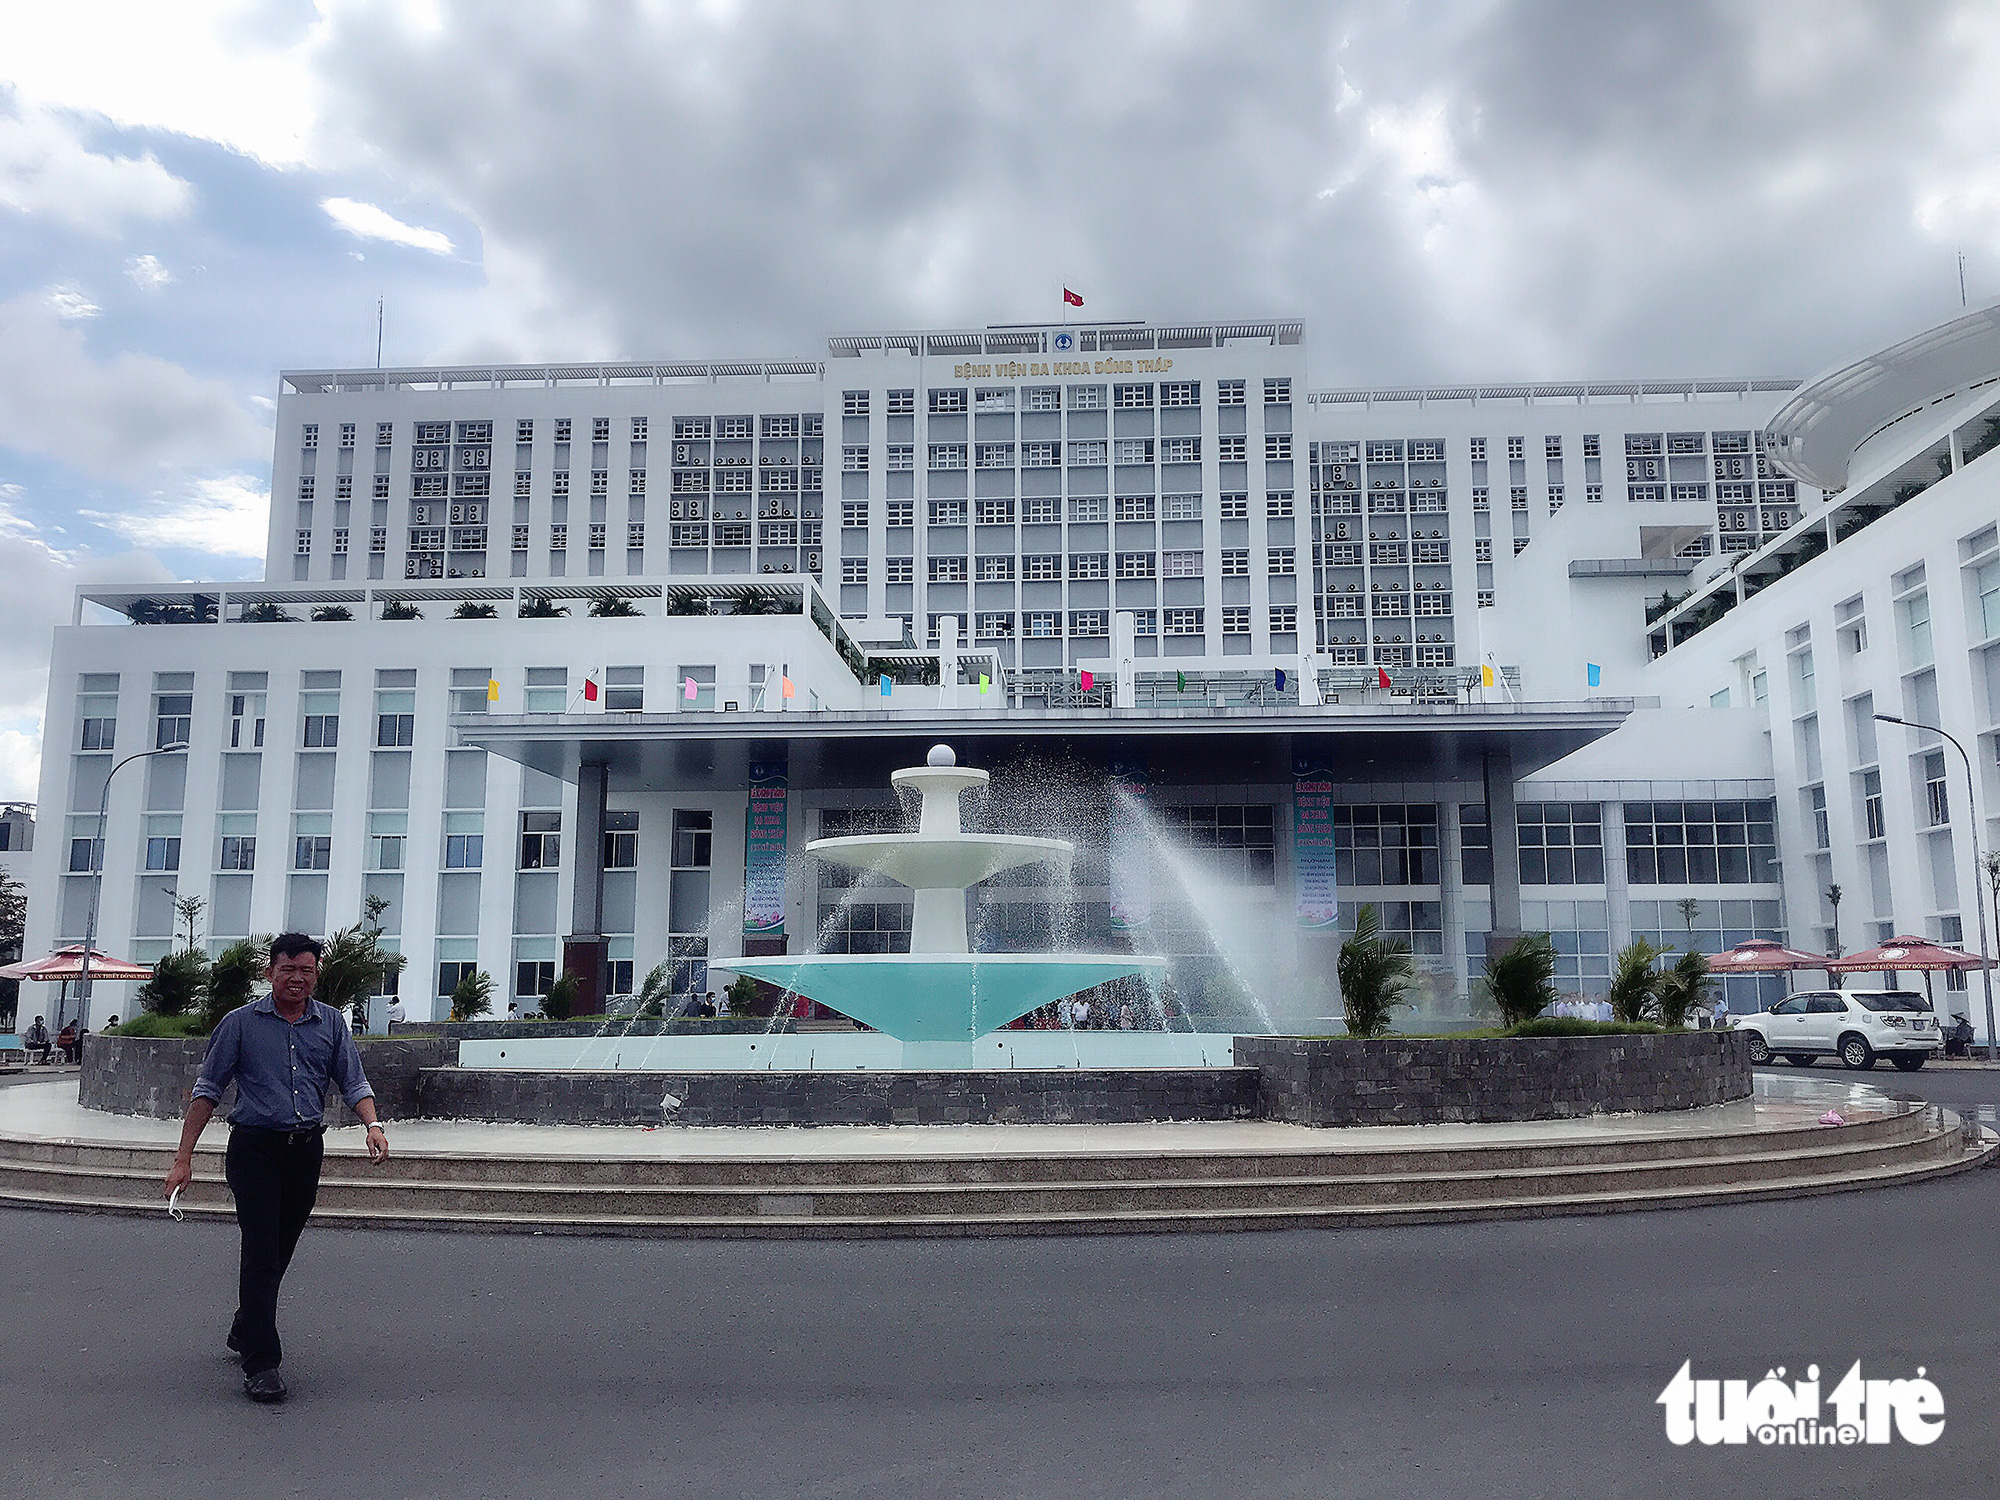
column 1493, row 1359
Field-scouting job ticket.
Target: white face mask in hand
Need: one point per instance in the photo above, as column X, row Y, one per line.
column 174, row 1207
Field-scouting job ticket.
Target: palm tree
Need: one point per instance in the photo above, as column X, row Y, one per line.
column 472, row 996
column 1833, row 895
column 657, row 991
column 1635, row 982
column 612, row 607
column 1522, row 977
column 1683, row 987
column 232, row 978
column 1375, row 972
column 541, row 607
column 178, row 985
column 354, row 967
column 560, row 1001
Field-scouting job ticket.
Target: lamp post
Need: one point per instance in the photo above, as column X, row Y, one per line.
column 1972, row 810
column 97, row 876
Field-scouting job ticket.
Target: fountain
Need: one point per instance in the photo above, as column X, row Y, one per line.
column 940, row 998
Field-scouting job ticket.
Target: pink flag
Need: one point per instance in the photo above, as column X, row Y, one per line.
column 1085, row 679
column 688, row 689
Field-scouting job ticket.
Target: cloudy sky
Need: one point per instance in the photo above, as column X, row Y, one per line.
column 196, row 195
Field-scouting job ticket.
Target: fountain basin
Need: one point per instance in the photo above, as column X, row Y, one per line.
column 939, row 861
column 941, row 997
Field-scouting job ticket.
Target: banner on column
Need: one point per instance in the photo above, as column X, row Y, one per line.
column 1130, row 852
column 1315, row 889
column 764, row 851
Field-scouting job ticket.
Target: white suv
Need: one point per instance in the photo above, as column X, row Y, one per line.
column 1857, row 1026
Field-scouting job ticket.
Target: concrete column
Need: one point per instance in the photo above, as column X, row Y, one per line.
column 1617, row 893
column 1451, row 890
column 1504, row 830
column 584, row 948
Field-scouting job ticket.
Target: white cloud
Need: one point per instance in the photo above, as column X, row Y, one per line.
column 366, row 221
column 225, row 516
column 147, row 272
column 131, row 417
column 45, row 169
column 20, row 763
column 69, row 303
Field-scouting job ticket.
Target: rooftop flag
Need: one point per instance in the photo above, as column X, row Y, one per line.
column 492, row 690
column 985, row 682
column 1180, row 682
column 1084, row 679
column 1485, row 675
column 785, row 687
column 589, row 691
column 1281, row 679
column 1382, row 678
column 1593, row 674
column 689, row 689
column 885, row 687
column 1071, row 299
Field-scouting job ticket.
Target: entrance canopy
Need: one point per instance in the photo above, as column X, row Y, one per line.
column 1369, row 742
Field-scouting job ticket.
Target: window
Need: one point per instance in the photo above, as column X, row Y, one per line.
column 1086, row 398
column 546, row 690
column 1916, row 609
column 1235, row 842
column 1277, row 445
column 1180, row 507
column 853, row 513
column 309, row 435
column 947, row 400
column 1280, row 561
column 1873, row 822
column 996, row 511
column 395, row 719
column 1180, row 564
column 1700, row 843
column 1180, row 450
column 624, row 690
column 947, row 455
column 1284, row 619
column 1042, row 624
column 1087, row 565
column 1278, row 391
column 902, row 457
column 563, row 425
column 1086, row 508
column 1936, row 800
column 173, row 720
column 1088, row 454
column 1385, row 845
column 1135, row 565
column 1236, row 619
column 1134, row 450
column 996, row 569
column 1233, row 507
column 1039, row 455
column 1987, row 582
column 1135, row 508
column 388, row 832
column 1562, row 843
column 1042, row 398
column 947, row 570
column 1088, row 622
column 236, row 841
column 994, row 625
column 1132, row 397
column 312, row 841
column 902, row 403
column 1041, row 567
column 1183, row 622
column 898, row 569
column 163, row 842
column 1236, row 562
column 901, row 512
column 1180, row 393
column 854, row 403
column 854, row 570
column 1591, row 446
column 1816, row 808
column 1232, row 448
column 1041, row 508
column 1851, row 624
column 947, row 513
column 541, row 840
column 621, row 841
column 533, row 977
column 1229, row 393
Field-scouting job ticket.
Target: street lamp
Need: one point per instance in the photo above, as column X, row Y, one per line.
column 97, row 876
column 1972, row 809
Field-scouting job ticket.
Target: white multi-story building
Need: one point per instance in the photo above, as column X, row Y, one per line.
column 512, row 614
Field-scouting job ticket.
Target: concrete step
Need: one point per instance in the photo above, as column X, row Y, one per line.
column 764, row 1207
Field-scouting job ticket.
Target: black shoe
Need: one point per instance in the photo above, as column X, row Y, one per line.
column 265, row 1385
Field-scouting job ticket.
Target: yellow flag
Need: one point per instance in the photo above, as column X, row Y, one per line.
column 984, row 682
column 492, row 691
column 1485, row 675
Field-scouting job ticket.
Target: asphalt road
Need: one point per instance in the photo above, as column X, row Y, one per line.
column 1484, row 1360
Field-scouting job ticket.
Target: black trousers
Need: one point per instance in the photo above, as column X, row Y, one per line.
column 274, row 1176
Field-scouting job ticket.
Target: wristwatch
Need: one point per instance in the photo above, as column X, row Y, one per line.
column 375, row 1125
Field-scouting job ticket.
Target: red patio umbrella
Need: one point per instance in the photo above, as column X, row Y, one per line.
column 65, row 966
column 1762, row 956
column 1906, row 952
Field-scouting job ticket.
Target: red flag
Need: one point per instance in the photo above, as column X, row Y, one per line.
column 1071, row 299
column 1084, row 677
column 589, row 691
column 1382, row 678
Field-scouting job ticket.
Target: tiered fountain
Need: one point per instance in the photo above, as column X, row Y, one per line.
column 940, row 998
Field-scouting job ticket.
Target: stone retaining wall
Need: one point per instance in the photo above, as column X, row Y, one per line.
column 1408, row 1081
column 154, row 1076
column 1057, row 1096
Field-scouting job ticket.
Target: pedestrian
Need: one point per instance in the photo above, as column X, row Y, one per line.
column 66, row 1041
column 513, row 1010
column 397, row 1015
column 280, row 1052
column 110, row 1023
column 37, row 1040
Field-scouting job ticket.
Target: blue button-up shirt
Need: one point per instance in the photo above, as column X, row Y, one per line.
column 281, row 1068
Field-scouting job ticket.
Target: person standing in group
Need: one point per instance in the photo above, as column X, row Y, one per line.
column 397, row 1015
column 280, row 1052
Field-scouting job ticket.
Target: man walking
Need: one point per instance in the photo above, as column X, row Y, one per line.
column 280, row 1053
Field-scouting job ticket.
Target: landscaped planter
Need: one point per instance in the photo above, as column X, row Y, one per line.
column 154, row 1075
column 1415, row 1081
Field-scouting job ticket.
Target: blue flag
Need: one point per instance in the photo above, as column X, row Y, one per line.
column 885, row 687
column 1593, row 674
column 1281, row 679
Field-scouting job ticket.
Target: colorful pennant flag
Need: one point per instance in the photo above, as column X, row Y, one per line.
column 1382, row 678
column 492, row 691
column 589, row 691
column 785, row 687
column 1084, row 679
column 1071, row 299
column 688, row 689
column 985, row 682
column 1485, row 675
column 1180, row 682
column 1593, row 674
column 1281, row 679
column 885, row 687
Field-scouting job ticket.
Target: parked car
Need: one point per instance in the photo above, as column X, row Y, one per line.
column 1856, row 1026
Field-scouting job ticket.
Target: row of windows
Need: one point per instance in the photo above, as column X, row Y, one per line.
column 1003, row 567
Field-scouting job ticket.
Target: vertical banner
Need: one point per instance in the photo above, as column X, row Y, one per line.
column 1315, row 891
column 1130, row 851
column 764, row 851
